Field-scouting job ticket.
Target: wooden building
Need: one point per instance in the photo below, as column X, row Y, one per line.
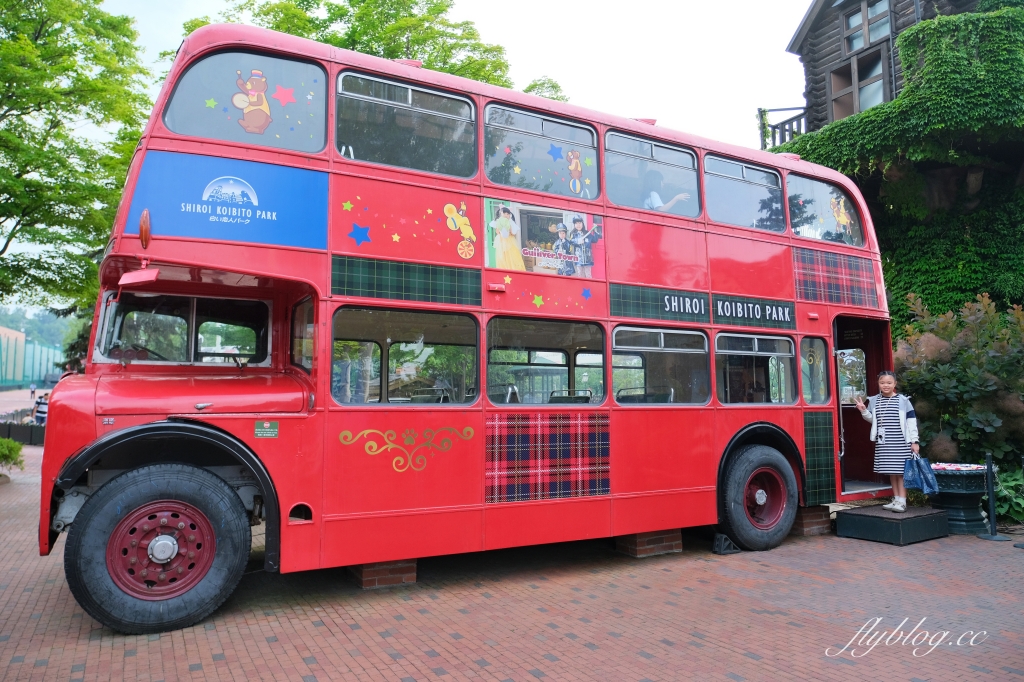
column 846, row 47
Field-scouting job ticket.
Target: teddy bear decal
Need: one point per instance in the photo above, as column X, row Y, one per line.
column 575, row 171
column 252, row 100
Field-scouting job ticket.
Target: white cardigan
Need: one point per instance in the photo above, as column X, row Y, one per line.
column 908, row 418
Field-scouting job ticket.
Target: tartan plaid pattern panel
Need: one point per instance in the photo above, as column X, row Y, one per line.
column 819, row 449
column 545, row 456
column 351, row 276
column 834, row 278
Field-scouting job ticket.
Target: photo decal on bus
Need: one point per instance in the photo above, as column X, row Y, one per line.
column 543, row 240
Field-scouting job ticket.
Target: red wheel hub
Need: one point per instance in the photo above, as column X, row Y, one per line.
column 161, row 550
column 764, row 498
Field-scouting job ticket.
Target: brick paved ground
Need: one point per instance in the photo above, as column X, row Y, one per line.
column 574, row 611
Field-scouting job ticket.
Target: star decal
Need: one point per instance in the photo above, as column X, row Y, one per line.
column 538, row 301
column 284, row 95
column 517, row 170
column 395, row 237
column 586, row 181
column 429, row 211
column 508, row 150
column 211, row 103
column 589, row 161
column 360, row 234
column 309, row 96
column 347, row 206
column 555, row 152
column 508, row 280
column 586, row 293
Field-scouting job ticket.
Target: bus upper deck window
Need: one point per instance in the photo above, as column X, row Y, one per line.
column 819, row 210
column 399, row 125
column 647, row 175
column 252, row 99
column 738, row 194
column 533, row 152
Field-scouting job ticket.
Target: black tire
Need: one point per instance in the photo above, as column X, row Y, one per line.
column 734, row 517
column 85, row 553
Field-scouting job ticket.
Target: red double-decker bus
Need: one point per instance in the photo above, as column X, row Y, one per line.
column 393, row 313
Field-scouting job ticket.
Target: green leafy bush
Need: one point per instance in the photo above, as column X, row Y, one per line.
column 965, row 373
column 1010, row 495
column 10, row 454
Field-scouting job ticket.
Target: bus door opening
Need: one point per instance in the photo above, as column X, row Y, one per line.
column 861, row 353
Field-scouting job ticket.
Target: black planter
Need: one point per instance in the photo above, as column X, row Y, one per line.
column 960, row 494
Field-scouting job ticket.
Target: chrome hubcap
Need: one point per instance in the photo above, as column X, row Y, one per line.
column 163, row 549
column 760, row 497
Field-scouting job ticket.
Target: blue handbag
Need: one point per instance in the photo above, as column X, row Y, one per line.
column 918, row 475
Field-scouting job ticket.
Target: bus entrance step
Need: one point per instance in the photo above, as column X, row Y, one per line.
column 384, row 574
column 641, row 545
column 881, row 525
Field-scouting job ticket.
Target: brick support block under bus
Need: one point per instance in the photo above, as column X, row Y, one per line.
column 384, row 573
column 812, row 521
column 641, row 545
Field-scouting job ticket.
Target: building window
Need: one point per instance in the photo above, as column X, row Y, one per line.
column 859, row 84
column 865, row 24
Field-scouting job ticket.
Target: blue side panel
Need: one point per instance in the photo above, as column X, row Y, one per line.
column 224, row 199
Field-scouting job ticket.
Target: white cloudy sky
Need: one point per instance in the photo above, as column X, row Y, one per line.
column 695, row 65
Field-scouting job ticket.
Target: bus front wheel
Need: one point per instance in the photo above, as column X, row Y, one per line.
column 760, row 498
column 157, row 548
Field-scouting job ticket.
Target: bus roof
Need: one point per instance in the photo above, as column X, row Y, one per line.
column 219, row 36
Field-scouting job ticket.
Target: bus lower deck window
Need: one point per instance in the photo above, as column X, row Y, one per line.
column 403, row 357
column 660, row 366
column 755, row 369
column 544, row 362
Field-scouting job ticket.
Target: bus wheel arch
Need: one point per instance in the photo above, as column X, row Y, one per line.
column 760, row 480
column 224, row 448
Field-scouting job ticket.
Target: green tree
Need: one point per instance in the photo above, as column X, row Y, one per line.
column 546, row 87
column 392, row 29
column 69, row 74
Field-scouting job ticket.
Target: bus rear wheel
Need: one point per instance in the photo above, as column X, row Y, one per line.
column 157, row 548
column 759, row 498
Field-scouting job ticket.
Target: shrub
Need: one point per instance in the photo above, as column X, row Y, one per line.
column 1010, row 495
column 965, row 372
column 10, row 454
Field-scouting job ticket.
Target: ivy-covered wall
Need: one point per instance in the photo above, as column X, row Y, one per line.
column 941, row 165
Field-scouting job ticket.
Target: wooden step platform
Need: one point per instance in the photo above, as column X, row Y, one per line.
column 917, row 524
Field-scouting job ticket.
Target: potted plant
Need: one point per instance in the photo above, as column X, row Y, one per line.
column 965, row 374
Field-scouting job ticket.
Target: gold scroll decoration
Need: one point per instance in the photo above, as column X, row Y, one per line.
column 413, row 454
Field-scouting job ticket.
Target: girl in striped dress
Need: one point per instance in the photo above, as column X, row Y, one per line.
column 894, row 432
